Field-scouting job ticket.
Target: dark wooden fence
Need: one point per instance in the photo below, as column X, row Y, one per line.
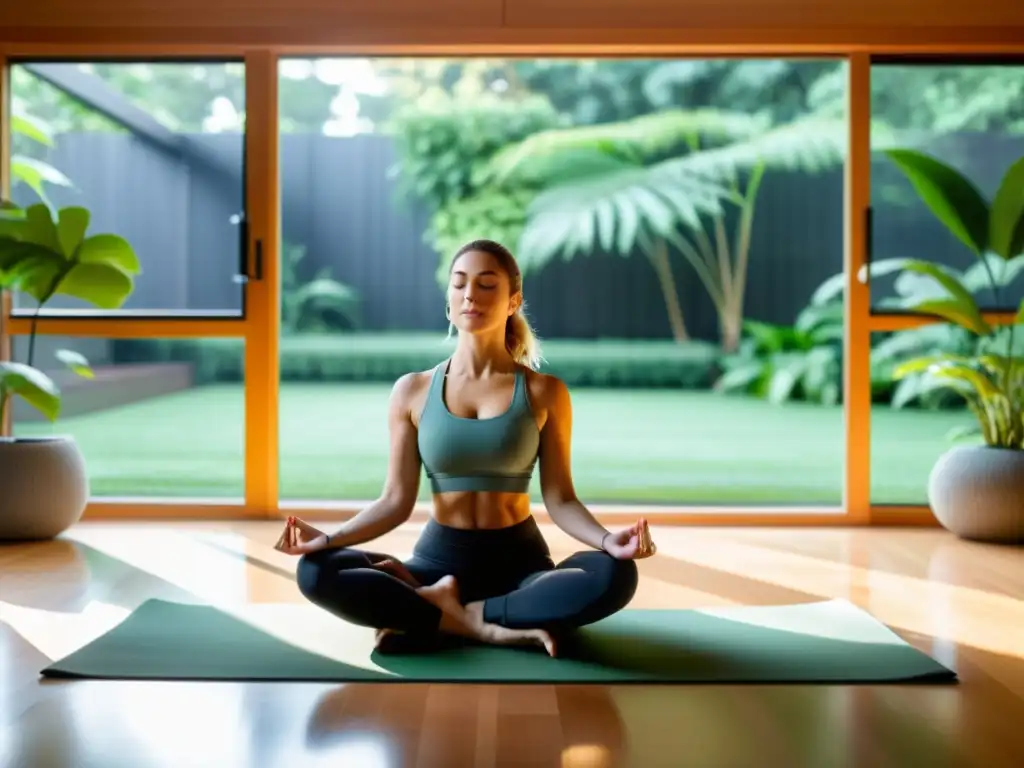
column 340, row 202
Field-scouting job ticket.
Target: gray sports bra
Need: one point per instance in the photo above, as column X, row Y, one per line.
column 466, row 454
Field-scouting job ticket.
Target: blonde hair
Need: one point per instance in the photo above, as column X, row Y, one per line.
column 520, row 339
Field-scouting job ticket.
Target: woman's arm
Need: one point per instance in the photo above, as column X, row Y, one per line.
column 557, row 489
column 402, row 485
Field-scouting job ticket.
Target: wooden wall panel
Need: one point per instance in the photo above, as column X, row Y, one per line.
column 528, row 27
column 762, row 14
column 203, row 14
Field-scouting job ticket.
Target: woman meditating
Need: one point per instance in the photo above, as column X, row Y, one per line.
column 479, row 423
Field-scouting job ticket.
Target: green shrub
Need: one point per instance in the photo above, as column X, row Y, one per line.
column 891, row 350
column 444, row 149
column 800, row 362
column 386, row 356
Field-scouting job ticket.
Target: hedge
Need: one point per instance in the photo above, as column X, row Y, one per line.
column 379, row 357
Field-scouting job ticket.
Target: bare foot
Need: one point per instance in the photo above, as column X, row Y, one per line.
column 444, row 593
column 468, row 621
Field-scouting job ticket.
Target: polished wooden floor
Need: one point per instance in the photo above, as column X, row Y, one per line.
column 963, row 603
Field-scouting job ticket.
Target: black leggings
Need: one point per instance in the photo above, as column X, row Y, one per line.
column 510, row 569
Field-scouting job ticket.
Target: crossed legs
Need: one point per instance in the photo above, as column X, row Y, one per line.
column 374, row 590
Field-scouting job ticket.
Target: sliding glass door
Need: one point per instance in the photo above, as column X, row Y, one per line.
column 156, row 151
column 693, row 234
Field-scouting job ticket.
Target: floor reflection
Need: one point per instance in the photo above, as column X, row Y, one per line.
column 961, row 602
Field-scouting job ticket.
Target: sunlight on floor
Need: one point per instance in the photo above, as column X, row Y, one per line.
column 193, row 727
column 173, row 556
column 949, row 612
column 55, row 634
column 368, row 749
column 835, row 620
column 586, row 756
column 311, row 629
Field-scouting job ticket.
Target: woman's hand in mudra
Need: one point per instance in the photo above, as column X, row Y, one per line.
column 300, row 538
column 633, row 543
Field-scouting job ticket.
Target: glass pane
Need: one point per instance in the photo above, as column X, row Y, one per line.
column 908, row 432
column 970, row 117
column 155, row 152
column 160, row 418
column 389, row 165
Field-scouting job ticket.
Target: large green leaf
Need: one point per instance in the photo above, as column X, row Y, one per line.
column 110, row 250
column 40, row 228
column 42, row 257
column 959, row 308
column 14, row 252
column 36, row 174
column 954, row 200
column 768, row 337
column 917, row 287
column 76, row 362
column 821, row 321
column 742, row 376
column 953, row 311
column 957, row 371
column 37, row 273
column 922, row 364
column 71, row 226
column 102, row 285
column 31, row 128
column 1006, row 225
column 821, row 380
column 33, row 386
column 786, row 376
column 832, row 288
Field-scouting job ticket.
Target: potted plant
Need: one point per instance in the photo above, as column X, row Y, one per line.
column 44, row 482
column 975, row 490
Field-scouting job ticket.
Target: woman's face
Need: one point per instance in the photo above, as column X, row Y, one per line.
column 479, row 293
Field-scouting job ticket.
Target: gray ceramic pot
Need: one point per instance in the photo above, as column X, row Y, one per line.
column 977, row 492
column 43, row 487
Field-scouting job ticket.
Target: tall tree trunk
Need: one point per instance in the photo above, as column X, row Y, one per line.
column 659, row 259
column 743, row 238
column 730, row 326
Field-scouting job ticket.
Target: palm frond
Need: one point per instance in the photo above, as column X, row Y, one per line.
column 630, row 140
column 600, row 197
column 566, row 166
column 978, row 277
column 612, row 213
column 808, row 145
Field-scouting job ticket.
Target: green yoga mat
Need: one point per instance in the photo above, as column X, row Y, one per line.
column 831, row 641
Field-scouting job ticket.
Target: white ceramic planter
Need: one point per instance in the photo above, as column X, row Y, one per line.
column 44, row 487
column 977, row 492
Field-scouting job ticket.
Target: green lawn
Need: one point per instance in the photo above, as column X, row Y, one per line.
column 629, row 446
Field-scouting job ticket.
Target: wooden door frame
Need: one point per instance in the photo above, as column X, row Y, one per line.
column 261, row 325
